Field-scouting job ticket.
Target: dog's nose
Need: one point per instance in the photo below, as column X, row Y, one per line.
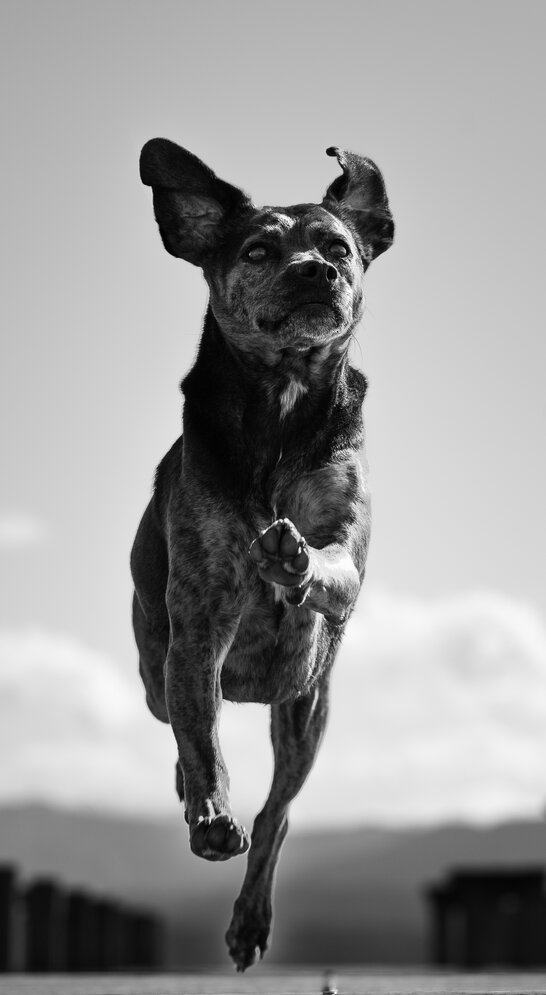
column 317, row 272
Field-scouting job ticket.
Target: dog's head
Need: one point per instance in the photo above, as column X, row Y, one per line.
column 279, row 278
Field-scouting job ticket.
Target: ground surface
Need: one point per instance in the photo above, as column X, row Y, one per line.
column 298, row 982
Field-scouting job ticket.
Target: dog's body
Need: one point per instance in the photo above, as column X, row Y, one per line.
column 269, row 464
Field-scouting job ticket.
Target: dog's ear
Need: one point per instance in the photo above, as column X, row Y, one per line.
column 191, row 203
column 360, row 192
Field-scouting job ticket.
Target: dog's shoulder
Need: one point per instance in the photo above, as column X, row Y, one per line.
column 342, row 428
column 166, row 478
column 350, row 397
column 356, row 384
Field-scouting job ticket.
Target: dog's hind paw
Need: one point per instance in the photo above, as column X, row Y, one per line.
column 247, row 936
column 219, row 837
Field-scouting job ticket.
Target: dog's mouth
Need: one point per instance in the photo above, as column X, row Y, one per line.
column 312, row 307
column 307, row 310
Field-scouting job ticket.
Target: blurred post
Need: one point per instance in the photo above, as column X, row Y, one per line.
column 82, row 932
column 45, row 927
column 8, row 880
column 477, row 906
column 110, row 936
column 145, row 941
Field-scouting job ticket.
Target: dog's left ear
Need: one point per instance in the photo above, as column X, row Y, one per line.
column 191, row 203
column 360, row 193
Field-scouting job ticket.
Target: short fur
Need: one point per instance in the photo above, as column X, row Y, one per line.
column 249, row 558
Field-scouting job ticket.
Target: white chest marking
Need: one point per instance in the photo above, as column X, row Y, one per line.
column 278, row 591
column 291, row 393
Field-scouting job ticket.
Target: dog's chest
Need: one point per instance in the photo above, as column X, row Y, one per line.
column 277, row 651
column 314, row 500
column 257, row 667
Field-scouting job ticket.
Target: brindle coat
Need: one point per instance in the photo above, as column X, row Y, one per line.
column 251, row 553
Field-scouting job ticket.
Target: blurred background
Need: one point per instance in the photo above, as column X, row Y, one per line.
column 435, row 752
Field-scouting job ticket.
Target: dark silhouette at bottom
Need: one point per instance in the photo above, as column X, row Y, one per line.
column 46, row 928
column 483, row 918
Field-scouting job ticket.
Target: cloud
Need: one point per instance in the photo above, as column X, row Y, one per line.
column 438, row 712
column 74, row 727
column 19, row 530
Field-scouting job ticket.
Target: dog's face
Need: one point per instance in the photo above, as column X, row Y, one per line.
column 279, row 278
column 288, row 278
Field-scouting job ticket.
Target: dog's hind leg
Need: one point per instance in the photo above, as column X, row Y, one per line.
column 296, row 732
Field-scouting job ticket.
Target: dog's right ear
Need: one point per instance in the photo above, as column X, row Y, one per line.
column 191, row 204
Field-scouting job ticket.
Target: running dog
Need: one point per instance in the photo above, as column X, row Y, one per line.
column 250, row 555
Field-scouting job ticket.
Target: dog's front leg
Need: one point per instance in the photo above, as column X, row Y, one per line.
column 296, row 732
column 325, row 580
column 193, row 692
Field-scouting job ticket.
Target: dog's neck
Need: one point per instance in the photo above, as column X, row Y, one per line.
column 241, row 415
column 274, row 384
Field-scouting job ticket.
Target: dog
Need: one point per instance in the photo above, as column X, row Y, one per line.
column 250, row 555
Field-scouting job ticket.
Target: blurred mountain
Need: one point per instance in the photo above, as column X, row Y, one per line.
column 353, row 896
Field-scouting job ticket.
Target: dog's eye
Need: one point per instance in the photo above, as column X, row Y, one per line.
column 339, row 249
column 256, row 253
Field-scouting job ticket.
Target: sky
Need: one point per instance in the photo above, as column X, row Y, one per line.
column 439, row 699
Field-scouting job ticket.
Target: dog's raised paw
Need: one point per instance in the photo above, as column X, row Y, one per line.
column 281, row 554
column 219, row 837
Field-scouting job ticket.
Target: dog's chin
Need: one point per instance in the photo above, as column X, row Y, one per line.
column 306, row 325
